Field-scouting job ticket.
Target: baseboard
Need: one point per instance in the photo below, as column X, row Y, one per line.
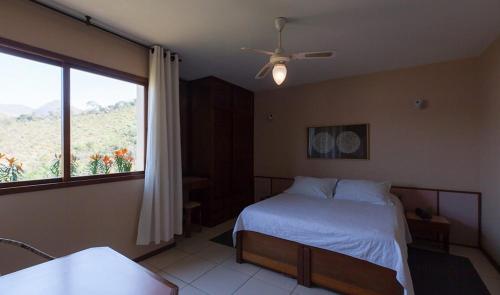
column 491, row 259
column 155, row 252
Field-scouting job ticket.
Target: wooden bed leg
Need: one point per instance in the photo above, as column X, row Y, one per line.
column 304, row 266
column 300, row 265
column 307, row 267
column 239, row 247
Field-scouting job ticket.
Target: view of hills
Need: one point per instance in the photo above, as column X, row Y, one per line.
column 33, row 135
column 52, row 108
column 14, row 110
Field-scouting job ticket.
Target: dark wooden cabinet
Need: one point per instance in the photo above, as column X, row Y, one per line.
column 221, row 146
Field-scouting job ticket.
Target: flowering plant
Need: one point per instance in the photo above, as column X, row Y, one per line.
column 10, row 169
column 107, row 163
column 124, row 160
column 95, row 164
column 55, row 167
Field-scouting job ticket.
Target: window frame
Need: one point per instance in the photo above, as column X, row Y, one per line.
column 67, row 63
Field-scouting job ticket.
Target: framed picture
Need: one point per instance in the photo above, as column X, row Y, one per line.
column 338, row 142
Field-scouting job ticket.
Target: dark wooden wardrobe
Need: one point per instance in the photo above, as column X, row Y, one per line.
column 220, row 146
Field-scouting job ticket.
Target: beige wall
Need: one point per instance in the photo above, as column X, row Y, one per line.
column 66, row 220
column 490, row 150
column 452, row 144
column 434, row 147
column 28, row 23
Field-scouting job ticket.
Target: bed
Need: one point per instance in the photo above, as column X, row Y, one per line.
column 348, row 246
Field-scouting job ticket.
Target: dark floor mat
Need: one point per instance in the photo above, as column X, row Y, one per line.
column 432, row 273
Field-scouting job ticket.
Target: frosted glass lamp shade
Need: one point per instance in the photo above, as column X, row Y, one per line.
column 279, row 73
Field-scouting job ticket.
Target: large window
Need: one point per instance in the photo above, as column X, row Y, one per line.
column 107, row 125
column 64, row 121
column 30, row 118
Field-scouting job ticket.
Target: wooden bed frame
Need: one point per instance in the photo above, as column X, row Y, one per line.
column 311, row 265
column 339, row 272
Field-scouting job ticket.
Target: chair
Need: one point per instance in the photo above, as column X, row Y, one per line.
column 188, row 207
column 26, row 247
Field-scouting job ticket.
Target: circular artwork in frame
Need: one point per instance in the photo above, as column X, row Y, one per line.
column 323, row 143
column 348, row 142
column 338, row 142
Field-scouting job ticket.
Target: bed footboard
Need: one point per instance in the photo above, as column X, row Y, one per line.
column 350, row 275
column 276, row 254
column 310, row 265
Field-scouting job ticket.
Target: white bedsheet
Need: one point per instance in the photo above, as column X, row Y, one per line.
column 375, row 233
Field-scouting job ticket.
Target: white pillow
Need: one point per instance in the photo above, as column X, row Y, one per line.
column 363, row 191
column 313, row 187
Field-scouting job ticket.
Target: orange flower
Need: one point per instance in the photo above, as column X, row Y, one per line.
column 129, row 159
column 107, row 160
column 96, row 157
column 121, row 152
column 11, row 161
column 1, row 156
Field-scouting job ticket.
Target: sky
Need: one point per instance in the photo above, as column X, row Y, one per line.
column 33, row 84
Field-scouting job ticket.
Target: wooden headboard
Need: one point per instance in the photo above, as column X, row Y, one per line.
column 462, row 208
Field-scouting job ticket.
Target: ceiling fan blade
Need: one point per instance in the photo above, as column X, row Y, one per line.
column 266, row 52
column 313, row 55
column 264, row 71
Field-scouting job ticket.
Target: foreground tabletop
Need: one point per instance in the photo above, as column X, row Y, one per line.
column 92, row 271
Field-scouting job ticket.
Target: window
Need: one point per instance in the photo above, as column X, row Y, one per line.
column 107, row 125
column 67, row 122
column 30, row 118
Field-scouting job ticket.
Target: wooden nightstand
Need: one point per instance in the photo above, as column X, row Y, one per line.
column 436, row 225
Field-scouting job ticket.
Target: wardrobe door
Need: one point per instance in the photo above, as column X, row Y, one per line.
column 242, row 164
column 200, row 148
column 223, row 151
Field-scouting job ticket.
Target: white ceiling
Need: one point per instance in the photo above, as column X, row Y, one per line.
column 368, row 35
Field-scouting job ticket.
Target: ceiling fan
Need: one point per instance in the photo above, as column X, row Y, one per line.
column 279, row 58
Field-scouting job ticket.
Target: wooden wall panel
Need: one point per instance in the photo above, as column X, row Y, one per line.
column 279, row 185
column 415, row 198
column 462, row 211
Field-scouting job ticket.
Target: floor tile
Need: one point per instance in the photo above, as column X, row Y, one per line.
column 216, row 253
column 221, row 281
column 165, row 258
column 301, row 290
column 255, row 286
column 190, row 290
column 189, row 268
column 247, row 268
column 178, row 282
column 276, row 279
column 193, row 245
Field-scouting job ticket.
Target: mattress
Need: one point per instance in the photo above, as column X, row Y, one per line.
column 375, row 233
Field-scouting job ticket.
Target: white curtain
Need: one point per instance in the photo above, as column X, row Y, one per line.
column 161, row 212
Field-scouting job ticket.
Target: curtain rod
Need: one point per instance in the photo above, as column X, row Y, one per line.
column 88, row 21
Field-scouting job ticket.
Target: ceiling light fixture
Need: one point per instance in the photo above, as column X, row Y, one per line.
column 279, row 73
column 279, row 58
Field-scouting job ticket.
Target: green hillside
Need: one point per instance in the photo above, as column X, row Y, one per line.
column 35, row 141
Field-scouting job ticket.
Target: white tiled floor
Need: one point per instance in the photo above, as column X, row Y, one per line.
column 199, row 266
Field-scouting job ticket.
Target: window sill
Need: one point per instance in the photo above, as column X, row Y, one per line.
column 39, row 185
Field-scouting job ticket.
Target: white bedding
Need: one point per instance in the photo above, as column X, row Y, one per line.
column 376, row 233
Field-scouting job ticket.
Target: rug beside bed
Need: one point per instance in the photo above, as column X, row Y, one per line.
column 431, row 272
